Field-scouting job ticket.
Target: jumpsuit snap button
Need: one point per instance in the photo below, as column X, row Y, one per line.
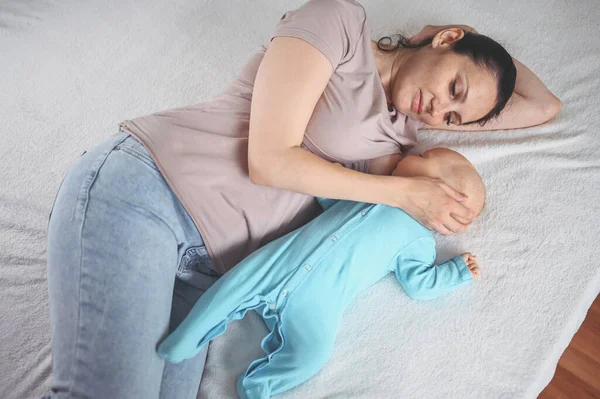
column 334, row 239
column 307, row 267
column 363, row 213
column 284, row 292
column 117, row 147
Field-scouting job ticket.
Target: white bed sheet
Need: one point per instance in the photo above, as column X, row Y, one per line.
column 70, row 71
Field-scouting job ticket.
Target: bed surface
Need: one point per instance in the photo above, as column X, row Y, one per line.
column 71, row 71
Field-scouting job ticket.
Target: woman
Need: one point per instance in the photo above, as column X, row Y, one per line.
column 145, row 222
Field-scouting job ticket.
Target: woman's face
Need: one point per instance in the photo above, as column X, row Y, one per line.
column 435, row 84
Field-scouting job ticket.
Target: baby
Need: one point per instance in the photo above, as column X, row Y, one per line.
column 301, row 283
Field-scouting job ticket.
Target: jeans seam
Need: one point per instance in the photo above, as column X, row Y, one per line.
column 96, row 168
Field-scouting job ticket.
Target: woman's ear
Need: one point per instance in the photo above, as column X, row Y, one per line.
column 447, row 37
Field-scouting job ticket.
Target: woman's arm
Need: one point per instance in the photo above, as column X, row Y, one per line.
column 531, row 103
column 291, row 77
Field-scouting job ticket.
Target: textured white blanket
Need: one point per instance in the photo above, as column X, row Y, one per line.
column 71, row 70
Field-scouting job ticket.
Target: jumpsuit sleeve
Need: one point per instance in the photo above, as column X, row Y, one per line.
column 421, row 278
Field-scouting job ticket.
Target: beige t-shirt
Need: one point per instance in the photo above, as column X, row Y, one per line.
column 202, row 149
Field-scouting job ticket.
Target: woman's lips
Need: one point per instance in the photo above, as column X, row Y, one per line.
column 416, row 104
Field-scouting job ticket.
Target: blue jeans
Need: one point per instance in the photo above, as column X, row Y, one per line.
column 125, row 265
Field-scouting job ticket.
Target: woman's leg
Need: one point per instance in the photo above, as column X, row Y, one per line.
column 115, row 242
column 182, row 380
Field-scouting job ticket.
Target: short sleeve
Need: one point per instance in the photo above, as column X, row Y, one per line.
column 334, row 27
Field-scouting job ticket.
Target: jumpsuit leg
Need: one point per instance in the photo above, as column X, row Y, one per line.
column 308, row 336
column 243, row 288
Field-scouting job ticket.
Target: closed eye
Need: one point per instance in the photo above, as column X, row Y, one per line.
column 452, row 94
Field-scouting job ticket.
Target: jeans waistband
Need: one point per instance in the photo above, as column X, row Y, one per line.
column 136, row 148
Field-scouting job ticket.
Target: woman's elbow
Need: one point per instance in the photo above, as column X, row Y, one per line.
column 543, row 111
column 552, row 108
column 263, row 170
column 258, row 174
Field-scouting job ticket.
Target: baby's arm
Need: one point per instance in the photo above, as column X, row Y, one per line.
column 422, row 279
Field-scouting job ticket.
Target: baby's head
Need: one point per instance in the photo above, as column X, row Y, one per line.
column 454, row 169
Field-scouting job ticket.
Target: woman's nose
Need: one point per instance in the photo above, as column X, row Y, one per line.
column 438, row 109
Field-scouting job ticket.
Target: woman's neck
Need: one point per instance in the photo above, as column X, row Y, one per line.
column 388, row 65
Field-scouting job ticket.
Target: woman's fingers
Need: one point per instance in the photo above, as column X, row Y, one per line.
column 441, row 228
column 447, row 223
column 459, row 212
column 458, row 196
column 464, row 213
column 457, row 218
column 454, row 226
column 461, row 219
column 437, row 206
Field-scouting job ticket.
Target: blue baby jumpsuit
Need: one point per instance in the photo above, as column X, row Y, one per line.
column 301, row 283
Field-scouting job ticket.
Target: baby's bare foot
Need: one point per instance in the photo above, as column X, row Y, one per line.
column 471, row 261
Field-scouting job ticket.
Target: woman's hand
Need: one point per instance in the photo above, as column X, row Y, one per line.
column 432, row 203
column 429, row 31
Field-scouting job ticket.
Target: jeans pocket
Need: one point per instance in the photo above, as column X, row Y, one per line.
column 197, row 268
